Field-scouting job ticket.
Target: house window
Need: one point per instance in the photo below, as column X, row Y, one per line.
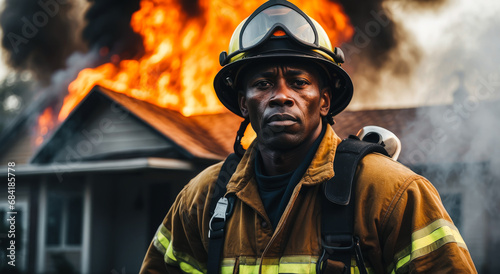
column 64, row 219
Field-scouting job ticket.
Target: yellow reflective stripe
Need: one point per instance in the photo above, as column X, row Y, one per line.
column 296, row 268
column 164, row 236
column 248, row 265
column 426, row 240
column 169, row 255
column 286, row 264
column 162, row 239
column 227, row 269
column 227, row 266
column 187, row 268
column 298, row 264
column 298, row 259
column 426, row 245
column 269, row 269
column 249, row 269
column 162, row 242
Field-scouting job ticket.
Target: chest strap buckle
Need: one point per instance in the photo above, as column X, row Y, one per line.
column 217, row 223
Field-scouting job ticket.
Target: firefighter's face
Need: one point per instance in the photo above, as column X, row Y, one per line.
column 285, row 103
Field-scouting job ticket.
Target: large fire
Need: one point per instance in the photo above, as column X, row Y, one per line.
column 181, row 53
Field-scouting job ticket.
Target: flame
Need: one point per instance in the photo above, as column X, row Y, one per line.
column 45, row 125
column 181, row 53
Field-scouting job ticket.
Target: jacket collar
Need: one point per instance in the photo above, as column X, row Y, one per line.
column 320, row 169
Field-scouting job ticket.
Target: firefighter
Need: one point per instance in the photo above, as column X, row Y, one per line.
column 283, row 76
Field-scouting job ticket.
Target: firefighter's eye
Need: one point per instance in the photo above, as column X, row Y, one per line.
column 262, row 84
column 300, row 82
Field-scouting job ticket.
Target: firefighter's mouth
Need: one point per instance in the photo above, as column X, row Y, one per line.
column 281, row 119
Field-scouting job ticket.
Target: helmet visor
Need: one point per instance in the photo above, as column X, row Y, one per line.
column 292, row 22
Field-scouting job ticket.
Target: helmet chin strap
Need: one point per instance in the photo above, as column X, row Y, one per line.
column 329, row 119
column 238, row 148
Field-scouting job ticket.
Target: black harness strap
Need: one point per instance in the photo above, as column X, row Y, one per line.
column 220, row 209
column 337, row 216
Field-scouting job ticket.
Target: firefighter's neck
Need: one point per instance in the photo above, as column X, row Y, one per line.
column 280, row 161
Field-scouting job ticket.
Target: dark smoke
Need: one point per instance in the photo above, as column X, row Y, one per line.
column 38, row 35
column 384, row 41
column 108, row 27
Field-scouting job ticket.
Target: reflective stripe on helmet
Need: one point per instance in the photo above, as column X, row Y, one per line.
column 425, row 241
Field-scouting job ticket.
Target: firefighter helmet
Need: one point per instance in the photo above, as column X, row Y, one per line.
column 279, row 30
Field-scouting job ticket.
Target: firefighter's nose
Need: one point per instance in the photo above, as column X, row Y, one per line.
column 281, row 97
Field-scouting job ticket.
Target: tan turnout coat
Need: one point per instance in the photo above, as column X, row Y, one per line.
column 402, row 224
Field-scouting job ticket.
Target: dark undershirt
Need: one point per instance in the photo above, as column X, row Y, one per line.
column 276, row 191
column 272, row 190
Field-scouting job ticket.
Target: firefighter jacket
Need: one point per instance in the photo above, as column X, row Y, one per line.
column 399, row 218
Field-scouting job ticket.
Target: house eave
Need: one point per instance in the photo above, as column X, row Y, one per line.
column 127, row 165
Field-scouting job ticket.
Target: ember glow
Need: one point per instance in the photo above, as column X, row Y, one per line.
column 182, row 51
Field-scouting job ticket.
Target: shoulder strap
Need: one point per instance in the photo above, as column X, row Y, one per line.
column 225, row 173
column 220, row 209
column 349, row 152
column 337, row 217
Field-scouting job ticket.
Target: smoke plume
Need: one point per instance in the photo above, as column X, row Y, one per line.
column 381, row 50
column 455, row 144
column 39, row 35
column 108, row 28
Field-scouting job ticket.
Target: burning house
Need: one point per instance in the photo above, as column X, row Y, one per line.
column 97, row 171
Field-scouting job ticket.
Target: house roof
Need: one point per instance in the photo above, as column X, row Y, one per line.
column 202, row 137
column 395, row 120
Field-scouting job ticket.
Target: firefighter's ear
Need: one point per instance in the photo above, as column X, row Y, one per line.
column 242, row 102
column 325, row 101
